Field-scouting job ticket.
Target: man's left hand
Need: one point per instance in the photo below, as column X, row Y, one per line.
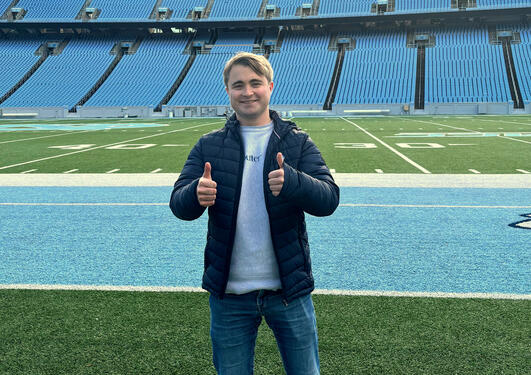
column 276, row 177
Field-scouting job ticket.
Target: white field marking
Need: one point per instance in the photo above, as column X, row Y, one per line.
column 448, row 126
column 71, row 171
column 461, row 144
column 474, row 171
column 426, row 206
column 515, row 139
column 523, row 171
column 335, row 292
column 508, row 122
column 28, row 171
column 354, row 205
column 378, row 171
column 113, row 170
column 47, row 136
column 96, row 204
column 111, row 144
column 421, row 180
column 156, row 170
column 176, row 145
column 422, row 169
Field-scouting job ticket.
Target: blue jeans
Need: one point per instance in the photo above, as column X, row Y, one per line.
column 234, row 322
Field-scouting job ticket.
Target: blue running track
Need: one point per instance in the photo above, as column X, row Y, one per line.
column 380, row 239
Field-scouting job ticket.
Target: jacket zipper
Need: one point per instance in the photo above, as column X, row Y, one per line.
column 269, row 157
column 235, row 213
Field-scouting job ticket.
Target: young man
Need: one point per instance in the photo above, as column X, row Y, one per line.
column 257, row 176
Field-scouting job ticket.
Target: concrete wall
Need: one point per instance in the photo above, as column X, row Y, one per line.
column 285, row 110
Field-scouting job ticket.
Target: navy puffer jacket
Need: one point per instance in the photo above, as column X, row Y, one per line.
column 308, row 187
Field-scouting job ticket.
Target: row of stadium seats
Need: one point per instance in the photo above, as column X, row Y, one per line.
column 381, row 69
column 229, row 9
column 522, row 61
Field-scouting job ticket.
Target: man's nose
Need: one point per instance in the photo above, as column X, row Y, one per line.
column 247, row 90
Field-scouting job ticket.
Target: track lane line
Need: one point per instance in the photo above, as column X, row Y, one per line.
column 404, row 157
column 335, row 292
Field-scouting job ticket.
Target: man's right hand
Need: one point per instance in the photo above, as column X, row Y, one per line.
column 206, row 188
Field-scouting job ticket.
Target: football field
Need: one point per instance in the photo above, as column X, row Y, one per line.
column 423, row 269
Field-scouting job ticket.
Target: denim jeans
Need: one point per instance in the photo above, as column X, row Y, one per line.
column 234, row 322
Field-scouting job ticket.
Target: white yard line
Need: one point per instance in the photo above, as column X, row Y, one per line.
column 108, row 145
column 505, row 121
column 335, row 292
column 47, row 136
column 439, row 124
column 404, row 157
column 514, row 139
column 473, row 131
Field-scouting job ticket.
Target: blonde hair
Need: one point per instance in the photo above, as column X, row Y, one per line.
column 258, row 63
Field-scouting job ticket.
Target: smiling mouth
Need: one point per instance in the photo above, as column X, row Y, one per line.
column 249, row 101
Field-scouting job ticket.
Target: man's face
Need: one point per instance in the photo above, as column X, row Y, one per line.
column 249, row 95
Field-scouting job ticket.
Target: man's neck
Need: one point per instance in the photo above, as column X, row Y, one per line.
column 259, row 121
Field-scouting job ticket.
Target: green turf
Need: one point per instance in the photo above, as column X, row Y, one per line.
column 363, row 153
column 73, row 332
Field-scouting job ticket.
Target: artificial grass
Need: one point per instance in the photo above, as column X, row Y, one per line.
column 94, row 332
column 345, row 147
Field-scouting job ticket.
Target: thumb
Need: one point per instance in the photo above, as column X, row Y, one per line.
column 280, row 160
column 207, row 172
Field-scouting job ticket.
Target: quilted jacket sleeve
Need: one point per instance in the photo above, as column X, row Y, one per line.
column 311, row 187
column 183, row 201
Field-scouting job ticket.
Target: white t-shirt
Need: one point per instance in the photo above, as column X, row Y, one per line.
column 253, row 264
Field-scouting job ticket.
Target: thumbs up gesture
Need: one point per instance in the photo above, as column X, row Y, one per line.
column 206, row 188
column 276, row 177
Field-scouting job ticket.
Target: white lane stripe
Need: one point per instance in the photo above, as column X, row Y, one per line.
column 523, row 171
column 156, row 170
column 111, row 144
column 422, row 169
column 475, row 171
column 47, row 136
column 28, row 171
column 110, row 204
column 426, row 206
column 336, row 292
column 112, row 171
column 71, row 171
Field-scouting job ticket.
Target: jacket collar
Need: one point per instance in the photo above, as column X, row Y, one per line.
column 281, row 126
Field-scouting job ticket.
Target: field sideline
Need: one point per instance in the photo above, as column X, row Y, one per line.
column 97, row 277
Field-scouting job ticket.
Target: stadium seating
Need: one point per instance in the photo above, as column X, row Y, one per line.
column 522, row 59
column 342, row 8
column 421, row 6
column 64, row 79
column 288, row 8
column 204, row 84
column 464, row 68
column 123, row 9
column 502, row 3
column 303, row 69
column 50, row 9
column 380, row 70
column 16, row 58
column 181, row 8
column 235, row 9
column 143, row 78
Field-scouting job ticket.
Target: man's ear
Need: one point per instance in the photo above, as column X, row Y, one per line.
column 271, row 86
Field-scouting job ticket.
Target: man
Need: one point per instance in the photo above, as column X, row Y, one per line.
column 257, row 176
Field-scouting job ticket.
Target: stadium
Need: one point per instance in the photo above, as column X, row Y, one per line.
column 421, row 109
